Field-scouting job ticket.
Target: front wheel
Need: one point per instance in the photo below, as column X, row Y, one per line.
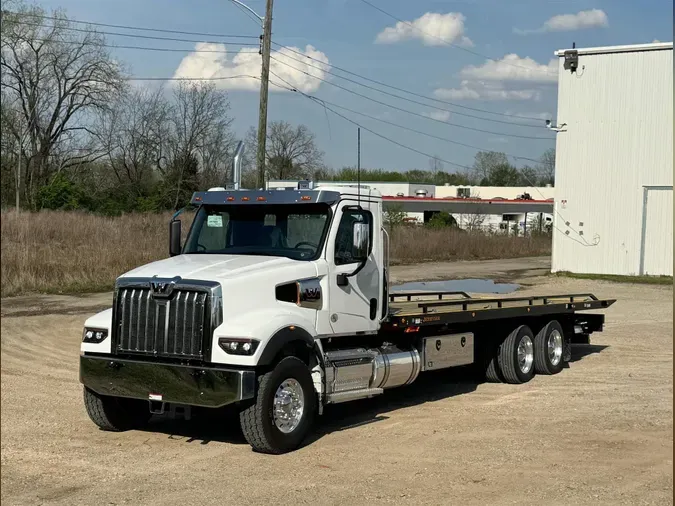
column 115, row 414
column 283, row 412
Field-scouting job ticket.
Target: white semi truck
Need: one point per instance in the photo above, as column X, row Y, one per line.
column 278, row 303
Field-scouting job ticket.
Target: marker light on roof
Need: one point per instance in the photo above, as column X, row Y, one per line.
column 305, row 197
column 245, row 199
column 230, row 199
column 261, row 199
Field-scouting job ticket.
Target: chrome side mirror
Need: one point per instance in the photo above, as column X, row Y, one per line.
column 361, row 242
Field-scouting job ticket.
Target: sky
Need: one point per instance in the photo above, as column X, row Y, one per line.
column 491, row 59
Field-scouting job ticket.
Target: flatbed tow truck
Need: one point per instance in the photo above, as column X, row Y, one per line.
column 278, row 303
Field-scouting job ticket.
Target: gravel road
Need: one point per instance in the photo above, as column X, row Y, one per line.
column 601, row 432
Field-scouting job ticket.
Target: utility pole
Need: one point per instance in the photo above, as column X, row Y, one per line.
column 264, row 85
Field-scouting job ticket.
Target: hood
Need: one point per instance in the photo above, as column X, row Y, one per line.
column 217, row 267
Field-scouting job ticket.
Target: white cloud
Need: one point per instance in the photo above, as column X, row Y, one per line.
column 433, row 29
column 513, row 68
column 502, row 80
column 484, row 90
column 582, row 20
column 438, row 115
column 247, row 62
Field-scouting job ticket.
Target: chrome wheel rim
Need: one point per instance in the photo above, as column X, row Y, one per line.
column 555, row 346
column 525, row 354
column 289, row 405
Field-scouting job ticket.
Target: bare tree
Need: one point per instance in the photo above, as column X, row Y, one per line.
column 485, row 163
column 133, row 133
column 473, row 222
column 546, row 167
column 55, row 77
column 200, row 111
column 436, row 165
column 291, row 152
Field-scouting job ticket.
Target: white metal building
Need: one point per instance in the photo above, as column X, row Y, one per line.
column 613, row 209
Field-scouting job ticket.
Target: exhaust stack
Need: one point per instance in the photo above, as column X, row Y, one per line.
column 236, row 167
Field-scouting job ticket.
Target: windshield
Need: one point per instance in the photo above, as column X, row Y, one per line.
column 288, row 230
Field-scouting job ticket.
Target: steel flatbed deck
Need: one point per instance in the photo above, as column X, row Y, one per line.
column 407, row 309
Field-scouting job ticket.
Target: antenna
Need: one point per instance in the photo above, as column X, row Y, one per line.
column 358, row 164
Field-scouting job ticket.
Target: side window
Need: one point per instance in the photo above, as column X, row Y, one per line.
column 305, row 228
column 345, row 234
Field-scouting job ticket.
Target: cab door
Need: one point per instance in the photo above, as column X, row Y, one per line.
column 353, row 298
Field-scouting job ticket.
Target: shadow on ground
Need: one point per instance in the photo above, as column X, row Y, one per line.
column 222, row 425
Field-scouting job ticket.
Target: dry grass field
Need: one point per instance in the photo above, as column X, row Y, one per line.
column 71, row 252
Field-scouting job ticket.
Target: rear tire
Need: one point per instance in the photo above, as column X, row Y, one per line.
column 492, row 372
column 549, row 346
column 516, row 356
column 115, row 414
column 283, row 412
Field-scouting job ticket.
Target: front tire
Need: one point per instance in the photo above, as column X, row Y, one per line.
column 516, row 356
column 549, row 349
column 115, row 414
column 283, row 412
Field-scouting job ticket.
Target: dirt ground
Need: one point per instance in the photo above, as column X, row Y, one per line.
column 601, row 432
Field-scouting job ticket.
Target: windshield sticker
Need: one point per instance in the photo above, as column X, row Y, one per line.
column 215, row 220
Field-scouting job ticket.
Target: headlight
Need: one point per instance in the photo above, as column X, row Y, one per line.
column 238, row 346
column 94, row 335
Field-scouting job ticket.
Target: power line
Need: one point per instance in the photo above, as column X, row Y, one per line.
column 224, row 78
column 140, row 28
column 118, row 34
column 375, row 118
column 411, row 112
column 323, row 103
column 404, row 90
column 414, row 101
column 146, row 48
column 407, row 23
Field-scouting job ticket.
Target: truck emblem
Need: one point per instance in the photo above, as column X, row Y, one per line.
column 163, row 288
column 438, row 345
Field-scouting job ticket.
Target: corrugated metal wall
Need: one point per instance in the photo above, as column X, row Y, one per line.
column 618, row 140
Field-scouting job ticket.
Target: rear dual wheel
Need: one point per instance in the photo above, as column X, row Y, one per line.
column 511, row 360
column 548, row 349
column 515, row 356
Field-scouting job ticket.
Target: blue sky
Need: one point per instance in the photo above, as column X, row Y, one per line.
column 356, row 37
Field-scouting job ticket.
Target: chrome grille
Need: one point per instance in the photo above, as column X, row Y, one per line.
column 176, row 326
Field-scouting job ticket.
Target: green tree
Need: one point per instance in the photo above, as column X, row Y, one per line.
column 394, row 216
column 442, row 220
column 60, row 193
column 504, row 174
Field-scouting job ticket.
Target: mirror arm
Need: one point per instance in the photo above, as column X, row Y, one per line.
column 343, row 279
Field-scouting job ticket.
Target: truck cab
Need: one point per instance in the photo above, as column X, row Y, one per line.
column 262, row 275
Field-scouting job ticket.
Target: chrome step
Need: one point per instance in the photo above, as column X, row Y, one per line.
column 352, row 395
